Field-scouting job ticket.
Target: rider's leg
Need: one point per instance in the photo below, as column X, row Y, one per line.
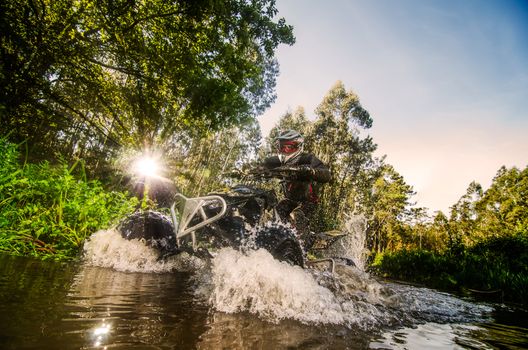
column 284, row 209
column 301, row 216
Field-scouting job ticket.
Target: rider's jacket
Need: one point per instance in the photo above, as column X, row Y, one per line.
column 302, row 190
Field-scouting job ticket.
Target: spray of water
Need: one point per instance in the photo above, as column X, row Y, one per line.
column 261, row 285
column 352, row 245
column 106, row 248
column 253, row 281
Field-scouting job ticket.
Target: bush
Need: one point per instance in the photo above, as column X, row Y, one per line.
column 495, row 265
column 47, row 211
column 499, row 263
column 419, row 266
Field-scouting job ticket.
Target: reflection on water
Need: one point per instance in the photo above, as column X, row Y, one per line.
column 71, row 306
column 126, row 309
column 101, row 333
column 428, row 336
column 453, row 336
column 244, row 331
column 51, row 306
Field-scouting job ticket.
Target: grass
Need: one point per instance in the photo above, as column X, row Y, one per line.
column 47, row 211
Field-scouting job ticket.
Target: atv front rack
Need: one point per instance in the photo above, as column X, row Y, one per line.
column 192, row 215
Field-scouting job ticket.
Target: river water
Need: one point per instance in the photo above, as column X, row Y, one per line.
column 121, row 297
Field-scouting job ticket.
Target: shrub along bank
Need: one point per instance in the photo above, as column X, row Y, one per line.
column 496, row 268
column 47, row 211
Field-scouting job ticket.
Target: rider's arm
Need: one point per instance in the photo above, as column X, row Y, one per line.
column 313, row 169
column 321, row 173
column 271, row 162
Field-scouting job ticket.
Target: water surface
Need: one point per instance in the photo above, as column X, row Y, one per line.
column 239, row 301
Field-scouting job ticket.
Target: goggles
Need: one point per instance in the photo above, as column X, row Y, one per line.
column 288, row 147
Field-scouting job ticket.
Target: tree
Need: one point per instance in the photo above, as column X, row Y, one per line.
column 464, row 216
column 503, row 209
column 335, row 137
column 439, row 232
column 499, row 212
column 85, row 77
column 418, row 220
column 390, row 197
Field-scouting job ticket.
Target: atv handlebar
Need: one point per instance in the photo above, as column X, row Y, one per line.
column 288, row 173
column 282, row 173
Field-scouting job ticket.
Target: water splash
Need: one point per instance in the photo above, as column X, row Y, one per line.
column 262, row 285
column 106, row 248
column 273, row 290
column 352, row 245
column 253, row 281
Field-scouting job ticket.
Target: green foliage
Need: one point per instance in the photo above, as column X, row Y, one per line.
column 500, row 211
column 503, row 208
column 82, row 78
column 478, row 216
column 336, row 139
column 385, row 204
column 498, row 265
column 47, row 211
column 482, row 246
column 418, row 266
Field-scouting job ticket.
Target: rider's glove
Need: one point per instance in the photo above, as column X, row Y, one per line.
column 305, row 172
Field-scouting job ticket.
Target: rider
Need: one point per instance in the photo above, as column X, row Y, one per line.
column 299, row 191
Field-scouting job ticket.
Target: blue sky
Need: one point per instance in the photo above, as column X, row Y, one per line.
column 446, row 83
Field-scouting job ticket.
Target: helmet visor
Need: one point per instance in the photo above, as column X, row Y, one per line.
column 288, row 147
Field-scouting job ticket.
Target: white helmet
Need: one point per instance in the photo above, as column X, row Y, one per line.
column 289, row 145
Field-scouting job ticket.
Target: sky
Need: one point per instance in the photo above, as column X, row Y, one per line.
column 446, row 83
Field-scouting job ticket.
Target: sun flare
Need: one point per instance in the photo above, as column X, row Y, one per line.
column 146, row 166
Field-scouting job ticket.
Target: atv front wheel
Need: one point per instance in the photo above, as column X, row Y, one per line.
column 281, row 243
column 153, row 227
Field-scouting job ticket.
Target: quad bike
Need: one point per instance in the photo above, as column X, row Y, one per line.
column 242, row 217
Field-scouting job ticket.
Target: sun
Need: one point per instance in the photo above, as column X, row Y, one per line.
column 146, row 166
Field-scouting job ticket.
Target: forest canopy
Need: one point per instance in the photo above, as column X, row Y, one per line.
column 81, row 78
